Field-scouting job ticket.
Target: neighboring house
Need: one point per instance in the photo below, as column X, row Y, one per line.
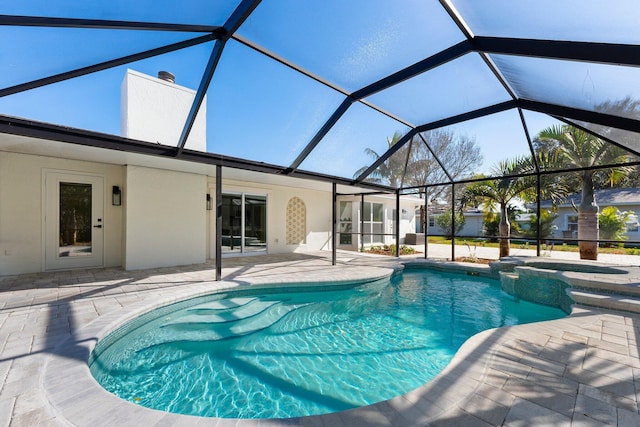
column 625, row 199
column 67, row 206
column 565, row 225
column 473, row 225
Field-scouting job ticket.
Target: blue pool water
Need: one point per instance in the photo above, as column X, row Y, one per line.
column 279, row 355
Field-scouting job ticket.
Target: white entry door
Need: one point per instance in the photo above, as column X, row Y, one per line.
column 73, row 221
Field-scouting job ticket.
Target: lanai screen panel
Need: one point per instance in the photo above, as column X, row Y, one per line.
column 484, row 142
column 260, row 109
column 627, row 139
column 93, row 102
column 36, row 52
column 459, row 86
column 588, row 86
column 195, row 12
column 563, row 147
column 538, row 123
column 418, row 163
column 355, row 142
column 392, row 171
column 568, row 20
column 612, row 153
column 352, row 43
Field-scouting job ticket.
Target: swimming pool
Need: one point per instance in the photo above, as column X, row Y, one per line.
column 268, row 354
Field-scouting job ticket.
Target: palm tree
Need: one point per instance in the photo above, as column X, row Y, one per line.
column 580, row 149
column 501, row 192
column 391, row 171
column 417, row 165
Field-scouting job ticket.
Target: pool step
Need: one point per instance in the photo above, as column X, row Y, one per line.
column 604, row 300
column 194, row 329
column 224, row 304
column 608, row 287
column 578, row 281
column 201, row 315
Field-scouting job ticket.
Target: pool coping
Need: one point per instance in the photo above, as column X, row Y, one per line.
column 67, row 378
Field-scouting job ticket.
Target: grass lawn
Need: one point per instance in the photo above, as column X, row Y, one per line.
column 563, row 247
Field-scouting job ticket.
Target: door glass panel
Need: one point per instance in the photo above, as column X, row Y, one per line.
column 367, row 212
column 231, row 223
column 366, row 238
column 346, row 225
column 75, row 220
column 378, row 211
column 378, row 230
column 255, row 223
column 394, row 224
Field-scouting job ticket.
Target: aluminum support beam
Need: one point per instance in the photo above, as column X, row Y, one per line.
column 453, row 222
column 362, row 223
column 334, row 224
column 603, row 53
column 603, row 119
column 397, row 218
column 539, row 218
column 105, row 65
column 426, row 222
column 103, row 24
column 239, row 15
column 400, row 76
column 218, row 223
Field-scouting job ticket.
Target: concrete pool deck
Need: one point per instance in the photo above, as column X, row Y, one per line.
column 579, row 371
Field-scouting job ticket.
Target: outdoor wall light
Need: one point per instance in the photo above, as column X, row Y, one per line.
column 209, row 202
column 116, row 196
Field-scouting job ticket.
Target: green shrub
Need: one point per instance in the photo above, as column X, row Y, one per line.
column 444, row 223
column 613, row 223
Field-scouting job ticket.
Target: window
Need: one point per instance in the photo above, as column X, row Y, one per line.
column 373, row 218
column 571, row 230
column 632, row 224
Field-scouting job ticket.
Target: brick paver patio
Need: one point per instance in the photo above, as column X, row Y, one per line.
column 579, row 371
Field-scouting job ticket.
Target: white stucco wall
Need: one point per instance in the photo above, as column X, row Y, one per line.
column 155, row 110
column 318, row 205
column 22, row 210
column 318, row 220
column 165, row 218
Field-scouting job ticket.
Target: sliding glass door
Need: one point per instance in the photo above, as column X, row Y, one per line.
column 244, row 223
column 255, row 224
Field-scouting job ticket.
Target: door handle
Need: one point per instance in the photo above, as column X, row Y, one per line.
column 97, row 226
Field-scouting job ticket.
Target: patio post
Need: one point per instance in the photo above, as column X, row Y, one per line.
column 397, row 223
column 218, row 223
column 538, row 219
column 453, row 222
column 426, row 221
column 425, row 229
column 362, row 222
column 334, row 243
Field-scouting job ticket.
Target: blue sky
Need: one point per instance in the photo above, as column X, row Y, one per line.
column 261, row 110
